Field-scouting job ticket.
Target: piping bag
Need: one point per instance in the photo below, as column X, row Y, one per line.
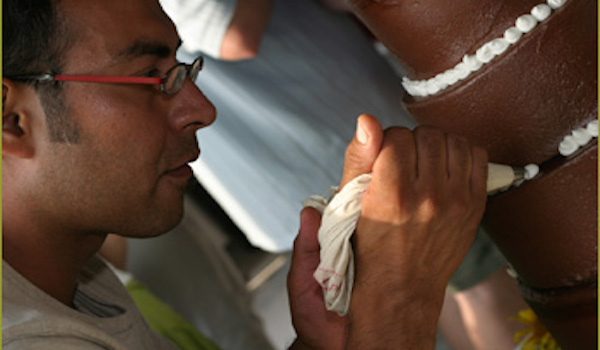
column 341, row 211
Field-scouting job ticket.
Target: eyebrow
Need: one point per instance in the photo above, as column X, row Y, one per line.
column 147, row 47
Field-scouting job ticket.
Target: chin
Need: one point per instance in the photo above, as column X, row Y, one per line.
column 155, row 222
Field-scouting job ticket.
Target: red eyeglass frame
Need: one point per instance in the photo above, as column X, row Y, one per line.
column 118, row 79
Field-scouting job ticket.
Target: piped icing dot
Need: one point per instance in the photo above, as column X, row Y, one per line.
column 541, row 12
column 531, row 171
column 581, row 136
column 431, row 87
column 451, row 76
column 578, row 138
column 499, row 45
column 568, row 146
column 592, row 128
column 512, row 35
column 462, row 71
column 485, row 53
column 556, row 3
column 526, row 23
column 471, row 62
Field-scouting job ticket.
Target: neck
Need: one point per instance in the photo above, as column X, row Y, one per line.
column 50, row 259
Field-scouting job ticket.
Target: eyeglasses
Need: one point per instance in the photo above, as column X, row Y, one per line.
column 170, row 84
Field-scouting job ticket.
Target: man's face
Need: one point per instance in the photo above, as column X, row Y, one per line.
column 127, row 172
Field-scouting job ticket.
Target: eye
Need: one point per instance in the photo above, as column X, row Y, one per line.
column 153, row 73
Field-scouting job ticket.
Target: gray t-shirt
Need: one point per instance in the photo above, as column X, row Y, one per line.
column 104, row 317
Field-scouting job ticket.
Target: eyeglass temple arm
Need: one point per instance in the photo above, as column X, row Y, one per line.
column 109, row 79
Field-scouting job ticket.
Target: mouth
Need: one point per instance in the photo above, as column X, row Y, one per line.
column 183, row 170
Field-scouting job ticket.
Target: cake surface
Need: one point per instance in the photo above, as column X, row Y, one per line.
column 519, row 106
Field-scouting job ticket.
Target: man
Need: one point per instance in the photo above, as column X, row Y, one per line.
column 99, row 124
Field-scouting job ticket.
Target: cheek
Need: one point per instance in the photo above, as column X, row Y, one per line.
column 127, row 134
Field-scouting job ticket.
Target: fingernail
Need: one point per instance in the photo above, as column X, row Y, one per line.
column 361, row 134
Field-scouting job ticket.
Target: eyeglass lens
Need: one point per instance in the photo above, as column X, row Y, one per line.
column 176, row 77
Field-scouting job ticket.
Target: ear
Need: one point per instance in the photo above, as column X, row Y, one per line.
column 16, row 120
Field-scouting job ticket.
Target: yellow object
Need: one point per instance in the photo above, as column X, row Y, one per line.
column 536, row 337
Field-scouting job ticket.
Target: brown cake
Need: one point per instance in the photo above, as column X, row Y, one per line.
column 519, row 106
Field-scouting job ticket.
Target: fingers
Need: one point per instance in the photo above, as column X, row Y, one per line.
column 479, row 172
column 431, row 154
column 364, row 148
column 394, row 170
column 459, row 160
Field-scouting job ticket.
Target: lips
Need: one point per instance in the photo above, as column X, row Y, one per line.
column 183, row 170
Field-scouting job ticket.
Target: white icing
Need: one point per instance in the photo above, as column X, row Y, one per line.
column 485, row 54
column 499, row 45
column 581, row 136
column 526, row 23
column 512, row 35
column 462, row 70
column 592, row 128
column 568, row 146
column 531, row 171
column 471, row 62
column 555, row 4
column 578, row 138
column 541, row 12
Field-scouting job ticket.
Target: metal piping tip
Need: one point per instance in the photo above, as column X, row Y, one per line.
column 519, row 174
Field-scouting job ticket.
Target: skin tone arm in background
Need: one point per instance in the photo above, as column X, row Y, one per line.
column 242, row 38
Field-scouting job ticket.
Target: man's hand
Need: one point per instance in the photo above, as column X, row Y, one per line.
column 419, row 217
column 316, row 327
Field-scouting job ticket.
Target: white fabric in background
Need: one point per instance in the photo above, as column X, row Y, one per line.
column 286, row 117
column 201, row 23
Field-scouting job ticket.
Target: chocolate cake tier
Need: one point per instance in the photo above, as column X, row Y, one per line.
column 432, row 36
column 547, row 228
column 521, row 105
column 570, row 314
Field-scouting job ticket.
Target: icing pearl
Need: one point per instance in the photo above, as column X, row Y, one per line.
column 512, row 35
column 421, row 90
column 568, row 146
column 556, row 3
column 472, row 63
column 581, row 136
column 526, row 23
column 440, row 81
column 452, row 76
column 485, row 53
column 431, row 87
column 531, row 171
column 499, row 45
column 541, row 12
column 592, row 128
column 462, row 71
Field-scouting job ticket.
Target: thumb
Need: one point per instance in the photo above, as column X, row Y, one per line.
column 306, row 254
column 306, row 245
column 364, row 148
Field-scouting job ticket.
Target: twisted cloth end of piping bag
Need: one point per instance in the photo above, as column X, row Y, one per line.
column 341, row 211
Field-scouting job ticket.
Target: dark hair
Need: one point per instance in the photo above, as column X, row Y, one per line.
column 35, row 39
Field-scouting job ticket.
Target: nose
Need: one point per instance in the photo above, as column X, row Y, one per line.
column 191, row 110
